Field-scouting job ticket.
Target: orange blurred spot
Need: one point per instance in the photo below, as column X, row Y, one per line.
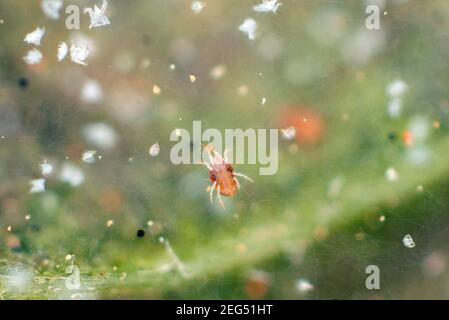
column 257, row 285
column 308, row 124
column 407, row 137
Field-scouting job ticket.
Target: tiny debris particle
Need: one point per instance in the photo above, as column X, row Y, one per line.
column 23, row 82
column 9, row 228
column 109, row 223
column 35, row 37
column 192, row 78
column 28, row 217
column 156, row 90
column 172, row 67
column 382, row 218
column 304, row 285
column 68, row 257
column 408, row 241
column 264, row 100
column 197, row 6
column 154, row 150
column 140, row 233
column 150, row 223
column 288, row 133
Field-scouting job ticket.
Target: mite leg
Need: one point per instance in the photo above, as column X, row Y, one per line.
column 243, row 176
column 225, row 156
column 211, row 192
column 208, row 166
column 219, row 198
column 236, row 182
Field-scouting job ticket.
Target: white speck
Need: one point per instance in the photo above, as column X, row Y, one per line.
column 249, row 27
column 35, row 36
column 392, row 175
column 218, row 72
column 304, row 285
column 397, row 88
column 89, row 156
column 267, row 6
column 37, row 185
column 71, row 174
column 28, row 217
column 63, row 49
column 264, row 100
column 382, row 218
column 100, row 135
column 172, row 67
column 68, row 257
column 51, row 8
column 156, row 90
column 150, row 223
column 97, row 15
column 79, row 54
column 154, row 150
column 109, row 223
column 289, row 133
column 197, row 6
column 92, row 92
column 9, row 228
column 46, row 168
column 33, row 56
column 192, row 78
column 408, row 241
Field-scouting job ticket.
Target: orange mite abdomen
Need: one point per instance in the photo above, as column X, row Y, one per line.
column 224, row 176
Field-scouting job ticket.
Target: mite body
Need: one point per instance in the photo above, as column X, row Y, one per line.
column 222, row 175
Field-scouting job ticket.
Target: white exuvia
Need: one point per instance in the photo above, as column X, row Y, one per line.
column 46, row 168
column 51, row 8
column 63, row 49
column 97, row 15
column 89, row 156
column 267, row 6
column 33, row 56
column 408, row 241
column 154, row 150
column 249, row 27
column 197, row 6
column 37, row 185
column 35, row 36
column 79, row 54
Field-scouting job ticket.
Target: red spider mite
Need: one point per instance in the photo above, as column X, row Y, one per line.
column 222, row 175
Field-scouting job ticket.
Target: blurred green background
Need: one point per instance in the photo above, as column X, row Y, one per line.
column 350, row 186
